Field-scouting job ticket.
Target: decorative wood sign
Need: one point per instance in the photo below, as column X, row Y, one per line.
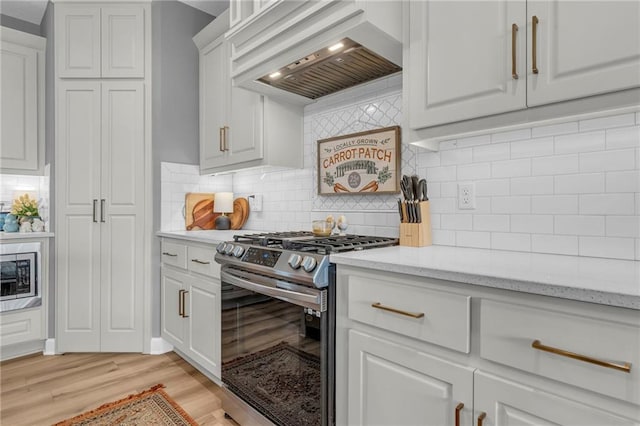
column 365, row 162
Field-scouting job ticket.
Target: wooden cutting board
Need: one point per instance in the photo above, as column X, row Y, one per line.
column 199, row 211
column 240, row 213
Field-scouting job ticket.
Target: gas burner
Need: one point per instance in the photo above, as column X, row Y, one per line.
column 305, row 241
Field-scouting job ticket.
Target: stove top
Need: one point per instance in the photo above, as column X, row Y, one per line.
column 304, row 241
column 298, row 257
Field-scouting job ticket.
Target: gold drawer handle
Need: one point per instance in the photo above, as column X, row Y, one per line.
column 166, row 253
column 534, row 47
column 514, row 30
column 200, row 262
column 481, row 418
column 459, row 408
column 625, row 366
column 377, row 305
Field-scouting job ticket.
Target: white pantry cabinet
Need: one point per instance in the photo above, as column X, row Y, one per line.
column 389, row 373
column 100, row 186
column 22, row 147
column 475, row 59
column 190, row 305
column 94, row 41
column 239, row 128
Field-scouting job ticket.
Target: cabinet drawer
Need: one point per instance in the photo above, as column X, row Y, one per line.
column 201, row 260
column 508, row 332
column 174, row 254
column 430, row 315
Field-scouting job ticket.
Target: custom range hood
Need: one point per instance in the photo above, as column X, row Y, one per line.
column 302, row 51
column 331, row 69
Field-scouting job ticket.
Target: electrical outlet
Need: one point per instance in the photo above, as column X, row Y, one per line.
column 255, row 202
column 467, row 196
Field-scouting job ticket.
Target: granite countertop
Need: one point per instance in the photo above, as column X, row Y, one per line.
column 8, row 236
column 604, row 281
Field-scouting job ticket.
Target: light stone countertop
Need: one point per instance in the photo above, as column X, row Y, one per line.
column 210, row 237
column 9, row 236
column 604, row 281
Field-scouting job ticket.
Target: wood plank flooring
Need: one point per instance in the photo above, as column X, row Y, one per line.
column 42, row 390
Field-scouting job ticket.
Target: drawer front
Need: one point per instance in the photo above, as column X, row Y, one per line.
column 508, row 332
column 174, row 254
column 430, row 315
column 201, row 260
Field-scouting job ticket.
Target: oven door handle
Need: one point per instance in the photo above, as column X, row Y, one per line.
column 268, row 287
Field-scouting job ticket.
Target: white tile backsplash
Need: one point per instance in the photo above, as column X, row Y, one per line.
column 567, row 188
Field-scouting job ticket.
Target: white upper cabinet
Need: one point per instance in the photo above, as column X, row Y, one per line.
column 581, row 48
column 240, row 128
column 22, row 110
column 475, row 59
column 94, row 41
column 463, row 60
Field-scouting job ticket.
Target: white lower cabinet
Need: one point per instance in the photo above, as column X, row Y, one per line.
column 391, row 384
column 190, row 310
column 501, row 402
column 387, row 374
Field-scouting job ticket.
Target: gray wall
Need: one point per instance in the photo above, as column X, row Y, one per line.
column 19, row 24
column 175, row 106
column 46, row 27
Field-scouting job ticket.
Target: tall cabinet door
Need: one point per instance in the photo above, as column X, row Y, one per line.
column 390, row 384
column 582, row 48
column 462, row 60
column 214, row 80
column 122, row 216
column 78, row 223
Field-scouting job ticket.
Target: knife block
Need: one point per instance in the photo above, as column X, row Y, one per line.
column 417, row 234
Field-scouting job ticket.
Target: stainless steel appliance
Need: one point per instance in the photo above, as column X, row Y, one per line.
column 19, row 273
column 278, row 325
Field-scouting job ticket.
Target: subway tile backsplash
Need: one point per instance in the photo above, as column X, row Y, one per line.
column 568, row 188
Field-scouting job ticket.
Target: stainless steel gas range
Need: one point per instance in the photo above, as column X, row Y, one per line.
column 278, row 325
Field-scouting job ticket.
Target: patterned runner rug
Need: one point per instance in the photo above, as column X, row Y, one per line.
column 150, row 407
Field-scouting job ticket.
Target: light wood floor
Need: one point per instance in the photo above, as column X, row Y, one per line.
column 42, row 390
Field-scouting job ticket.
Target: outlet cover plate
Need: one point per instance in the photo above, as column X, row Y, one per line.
column 466, row 196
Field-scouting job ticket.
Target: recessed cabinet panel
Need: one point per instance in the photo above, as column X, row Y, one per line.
column 390, row 384
column 507, row 403
column 122, row 42
column 78, row 41
column 21, row 102
column 582, row 48
column 462, row 61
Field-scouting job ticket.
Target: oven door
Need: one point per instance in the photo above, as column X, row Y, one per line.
column 277, row 341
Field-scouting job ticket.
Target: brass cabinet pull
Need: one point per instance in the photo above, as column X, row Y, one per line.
column 221, row 139
column 180, row 303
column 534, row 36
column 200, row 261
column 459, row 408
column 378, row 305
column 95, row 210
column 481, row 418
column 166, row 253
column 102, row 203
column 184, row 315
column 226, row 138
column 625, row 366
column 514, row 30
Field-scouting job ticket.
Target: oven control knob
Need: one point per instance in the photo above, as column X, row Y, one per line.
column 238, row 251
column 295, row 260
column 229, row 248
column 309, row 263
column 220, row 247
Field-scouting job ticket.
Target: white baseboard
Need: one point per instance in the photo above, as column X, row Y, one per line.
column 159, row 346
column 49, row 347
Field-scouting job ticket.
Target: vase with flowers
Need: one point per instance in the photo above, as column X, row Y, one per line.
column 25, row 209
